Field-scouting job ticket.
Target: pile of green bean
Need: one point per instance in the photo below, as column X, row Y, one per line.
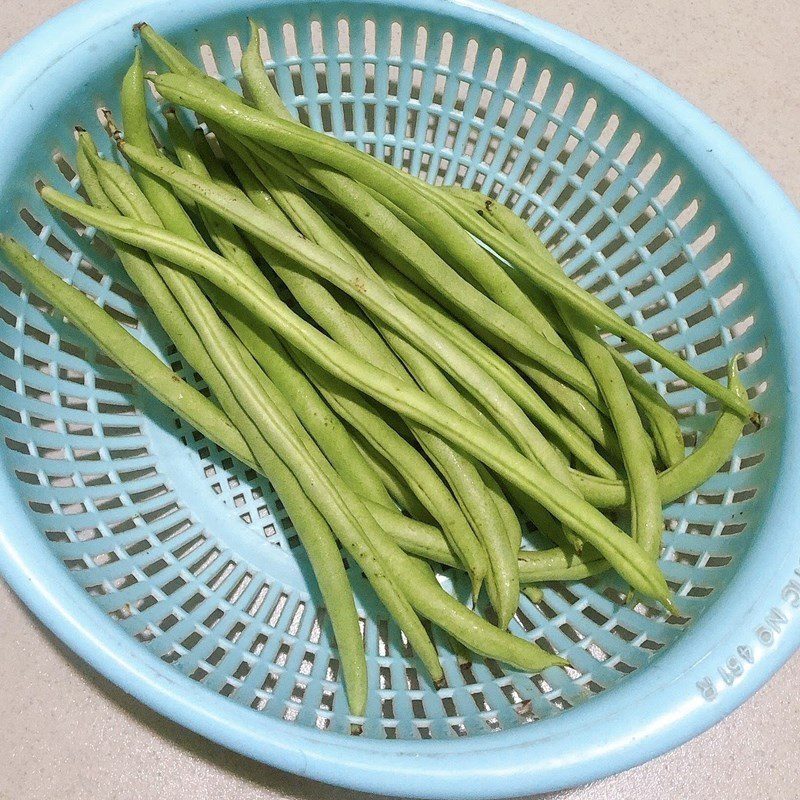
column 407, row 364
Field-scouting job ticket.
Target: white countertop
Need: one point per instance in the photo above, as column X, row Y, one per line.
column 66, row 732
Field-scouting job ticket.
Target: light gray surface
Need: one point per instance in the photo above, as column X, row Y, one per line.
column 67, row 733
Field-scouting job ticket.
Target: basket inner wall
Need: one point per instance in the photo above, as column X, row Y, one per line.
column 192, row 554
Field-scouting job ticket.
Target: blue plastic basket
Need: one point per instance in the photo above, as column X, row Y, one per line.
column 174, row 572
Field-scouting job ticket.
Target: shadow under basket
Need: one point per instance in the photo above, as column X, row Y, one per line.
column 174, row 570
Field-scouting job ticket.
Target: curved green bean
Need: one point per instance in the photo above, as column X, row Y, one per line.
column 703, row 462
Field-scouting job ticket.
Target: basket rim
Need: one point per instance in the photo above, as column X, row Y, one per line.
column 655, row 709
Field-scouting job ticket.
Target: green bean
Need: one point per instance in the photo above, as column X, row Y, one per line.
column 420, row 200
column 665, row 429
column 558, row 285
column 328, row 313
column 138, row 266
column 537, row 566
column 510, row 519
column 255, row 79
column 703, row 462
column 322, row 424
column 647, row 521
column 168, row 53
column 469, row 628
column 624, row 554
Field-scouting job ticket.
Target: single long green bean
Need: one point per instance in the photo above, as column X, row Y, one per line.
column 624, row 554
column 647, row 521
column 703, row 462
column 469, row 628
column 255, row 79
column 664, row 426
